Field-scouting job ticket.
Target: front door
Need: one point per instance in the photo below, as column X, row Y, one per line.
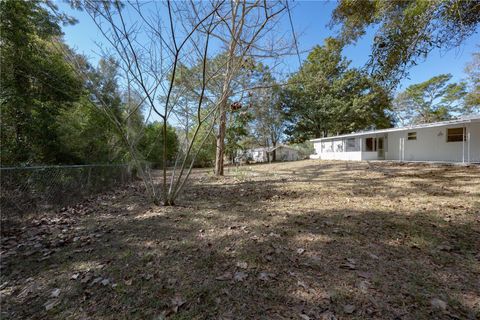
column 380, row 148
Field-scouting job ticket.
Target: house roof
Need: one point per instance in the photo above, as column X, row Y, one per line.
column 281, row 146
column 464, row 120
column 270, row 149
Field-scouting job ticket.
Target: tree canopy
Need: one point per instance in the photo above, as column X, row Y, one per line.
column 407, row 31
column 430, row 101
column 51, row 115
column 472, row 98
column 37, row 84
column 328, row 97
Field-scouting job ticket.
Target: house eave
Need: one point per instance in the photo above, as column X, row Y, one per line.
column 414, row 127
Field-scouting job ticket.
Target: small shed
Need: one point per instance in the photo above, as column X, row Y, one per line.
column 284, row 153
column 265, row 154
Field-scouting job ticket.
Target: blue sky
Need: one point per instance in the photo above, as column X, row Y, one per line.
column 310, row 19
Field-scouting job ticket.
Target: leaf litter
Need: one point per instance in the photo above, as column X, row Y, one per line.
column 409, row 236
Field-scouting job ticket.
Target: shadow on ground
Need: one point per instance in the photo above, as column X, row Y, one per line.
column 276, row 242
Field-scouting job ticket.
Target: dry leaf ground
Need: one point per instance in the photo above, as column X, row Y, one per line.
column 299, row 240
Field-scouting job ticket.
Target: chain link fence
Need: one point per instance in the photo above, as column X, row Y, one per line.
column 30, row 189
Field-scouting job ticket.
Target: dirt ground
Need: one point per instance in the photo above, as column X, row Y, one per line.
column 301, row 240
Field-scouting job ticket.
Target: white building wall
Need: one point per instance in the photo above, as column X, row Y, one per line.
column 474, row 136
column 432, row 145
column 257, row 155
column 335, row 150
column 370, row 155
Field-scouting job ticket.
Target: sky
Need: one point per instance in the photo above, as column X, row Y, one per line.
column 310, row 19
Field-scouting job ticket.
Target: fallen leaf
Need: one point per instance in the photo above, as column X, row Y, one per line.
column 49, row 305
column 348, row 308
column 242, row 265
column 26, row 291
column 438, row 304
column 147, row 276
column 225, row 276
column 55, row 293
column 365, row 275
column 97, row 280
column 75, row 276
column 128, row 282
column 444, row 247
column 373, row 256
column 363, row 286
column 87, row 278
column 327, row 315
column 240, row 276
column 350, row 264
column 264, row 276
column 300, row 250
column 177, row 302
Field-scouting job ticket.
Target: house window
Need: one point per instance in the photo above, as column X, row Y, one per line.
column 329, row 146
column 351, row 144
column 456, row 134
column 380, row 143
column 340, row 147
column 370, row 144
column 412, row 136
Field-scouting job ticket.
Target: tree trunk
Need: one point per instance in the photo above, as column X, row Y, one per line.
column 222, row 127
column 274, row 152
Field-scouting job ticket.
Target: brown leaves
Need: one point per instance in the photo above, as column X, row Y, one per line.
column 176, row 302
column 349, row 308
column 55, row 293
column 54, row 299
column 265, row 276
column 50, row 304
column 242, row 264
column 350, row 264
column 363, row 286
column 300, row 250
column 225, row 277
column 240, row 276
column 438, row 304
column 263, row 255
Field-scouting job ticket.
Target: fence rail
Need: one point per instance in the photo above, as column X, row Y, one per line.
column 30, row 189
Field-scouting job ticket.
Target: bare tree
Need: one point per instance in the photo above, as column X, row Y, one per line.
column 149, row 47
column 152, row 42
column 243, row 32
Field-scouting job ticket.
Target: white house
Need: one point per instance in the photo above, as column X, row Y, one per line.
column 264, row 154
column 447, row 141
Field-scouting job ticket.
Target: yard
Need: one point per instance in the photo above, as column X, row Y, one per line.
column 300, row 240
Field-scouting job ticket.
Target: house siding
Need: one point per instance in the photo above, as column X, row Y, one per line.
column 431, row 145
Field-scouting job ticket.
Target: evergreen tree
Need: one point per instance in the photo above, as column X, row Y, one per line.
column 37, row 83
column 430, row 101
column 327, row 97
